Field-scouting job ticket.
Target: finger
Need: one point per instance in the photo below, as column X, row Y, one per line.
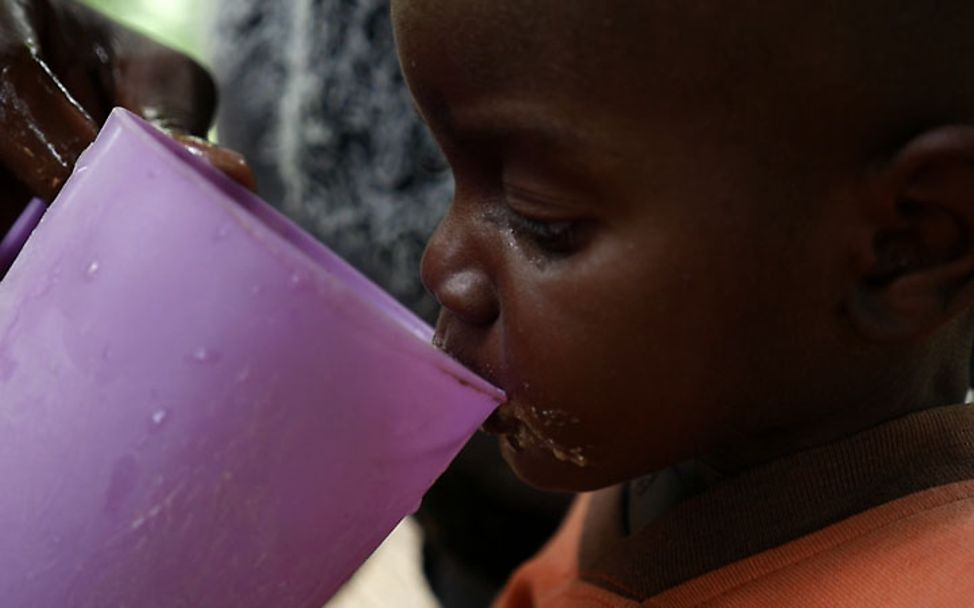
column 77, row 52
column 229, row 162
column 45, row 130
column 167, row 89
column 128, row 70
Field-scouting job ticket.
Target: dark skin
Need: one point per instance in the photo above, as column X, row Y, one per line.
column 696, row 230
column 63, row 67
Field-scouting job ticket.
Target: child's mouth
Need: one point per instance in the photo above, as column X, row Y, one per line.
column 517, row 429
column 502, row 421
column 520, row 434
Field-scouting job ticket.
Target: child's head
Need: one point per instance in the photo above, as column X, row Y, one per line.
column 688, row 228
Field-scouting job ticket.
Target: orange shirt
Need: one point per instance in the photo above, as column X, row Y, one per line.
column 916, row 549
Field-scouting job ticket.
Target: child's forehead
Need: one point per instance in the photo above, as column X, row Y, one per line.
column 517, row 31
column 535, row 45
column 643, row 60
column 773, row 66
column 489, row 75
column 655, row 46
column 791, row 79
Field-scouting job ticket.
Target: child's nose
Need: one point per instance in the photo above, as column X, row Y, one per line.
column 455, row 270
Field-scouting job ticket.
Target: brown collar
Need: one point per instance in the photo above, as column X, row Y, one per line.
column 776, row 503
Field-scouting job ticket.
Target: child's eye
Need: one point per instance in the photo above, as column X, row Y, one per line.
column 554, row 237
column 541, row 220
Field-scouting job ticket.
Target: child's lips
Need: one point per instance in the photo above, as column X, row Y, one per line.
column 521, row 434
column 448, row 347
column 502, row 419
column 520, row 430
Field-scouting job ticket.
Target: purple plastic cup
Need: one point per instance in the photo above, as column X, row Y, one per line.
column 199, row 404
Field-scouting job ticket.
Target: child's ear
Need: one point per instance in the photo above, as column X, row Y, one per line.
column 919, row 270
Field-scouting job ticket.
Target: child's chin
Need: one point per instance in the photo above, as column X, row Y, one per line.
column 540, row 468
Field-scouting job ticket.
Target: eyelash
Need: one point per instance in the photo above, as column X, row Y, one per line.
column 557, row 237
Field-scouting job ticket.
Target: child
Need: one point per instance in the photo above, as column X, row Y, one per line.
column 720, row 256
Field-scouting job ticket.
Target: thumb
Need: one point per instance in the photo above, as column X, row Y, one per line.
column 231, row 163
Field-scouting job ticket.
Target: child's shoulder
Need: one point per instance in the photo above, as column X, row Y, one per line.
column 882, row 518
column 915, row 551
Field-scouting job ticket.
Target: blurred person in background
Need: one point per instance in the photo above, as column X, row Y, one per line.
column 313, row 97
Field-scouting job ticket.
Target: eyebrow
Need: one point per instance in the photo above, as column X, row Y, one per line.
column 499, row 121
column 582, row 157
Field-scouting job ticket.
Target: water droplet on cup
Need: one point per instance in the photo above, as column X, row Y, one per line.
column 159, row 417
column 53, row 278
column 222, row 232
column 93, row 269
column 205, row 355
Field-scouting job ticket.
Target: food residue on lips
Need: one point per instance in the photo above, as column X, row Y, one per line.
column 525, row 430
column 527, row 435
column 554, row 418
